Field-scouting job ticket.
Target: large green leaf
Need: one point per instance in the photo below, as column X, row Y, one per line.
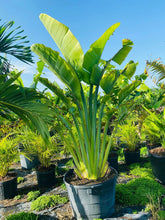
column 127, row 90
column 59, row 67
column 129, row 69
column 65, row 40
column 55, row 89
column 120, row 56
column 96, row 75
column 108, row 80
column 93, row 55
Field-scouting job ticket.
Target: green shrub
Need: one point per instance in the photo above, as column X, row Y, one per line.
column 18, row 197
column 161, row 214
column 22, row 216
column 143, row 151
column 142, row 172
column 20, row 179
column 136, row 191
column 32, row 195
column 63, row 186
column 44, row 202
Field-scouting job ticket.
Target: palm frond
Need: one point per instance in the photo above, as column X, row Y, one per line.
column 12, row 43
column 157, row 68
column 24, row 102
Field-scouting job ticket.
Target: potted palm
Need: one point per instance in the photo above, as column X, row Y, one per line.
column 91, row 185
column 25, row 137
column 157, row 154
column 34, row 147
column 151, row 133
column 130, row 139
column 8, row 179
column 46, row 153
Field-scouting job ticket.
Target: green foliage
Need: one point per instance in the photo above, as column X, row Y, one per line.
column 32, row 195
column 135, row 192
column 11, row 42
column 44, row 202
column 89, row 148
column 143, row 151
column 142, row 172
column 161, row 214
column 8, row 152
column 63, row 186
column 20, row 179
column 128, row 134
column 22, row 102
column 34, row 145
column 154, row 127
column 157, row 68
column 18, row 197
column 22, row 216
column 153, row 207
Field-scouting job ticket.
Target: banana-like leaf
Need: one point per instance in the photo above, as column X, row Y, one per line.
column 127, row 90
column 59, row 67
column 120, row 56
column 129, row 69
column 55, row 89
column 93, row 55
column 84, row 75
column 96, row 75
column 108, row 80
column 65, row 40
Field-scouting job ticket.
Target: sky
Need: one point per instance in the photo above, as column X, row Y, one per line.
column 142, row 21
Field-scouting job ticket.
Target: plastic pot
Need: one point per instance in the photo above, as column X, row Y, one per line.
column 131, row 156
column 92, row 201
column 46, row 179
column 113, row 160
column 158, row 167
column 8, row 189
column 28, row 164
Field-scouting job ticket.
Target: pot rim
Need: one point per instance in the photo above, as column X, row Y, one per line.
column 92, row 185
column 12, row 178
column 49, row 171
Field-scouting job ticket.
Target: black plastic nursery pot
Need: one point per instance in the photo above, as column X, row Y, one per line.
column 113, row 160
column 8, row 188
column 47, row 178
column 158, row 167
column 28, row 164
column 131, row 156
column 92, row 201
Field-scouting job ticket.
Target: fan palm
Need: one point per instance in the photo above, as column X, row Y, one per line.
column 157, row 68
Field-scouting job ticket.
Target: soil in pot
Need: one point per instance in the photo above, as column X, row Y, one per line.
column 152, row 146
column 8, row 186
column 92, row 199
column 46, row 176
column 157, row 158
column 131, row 156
